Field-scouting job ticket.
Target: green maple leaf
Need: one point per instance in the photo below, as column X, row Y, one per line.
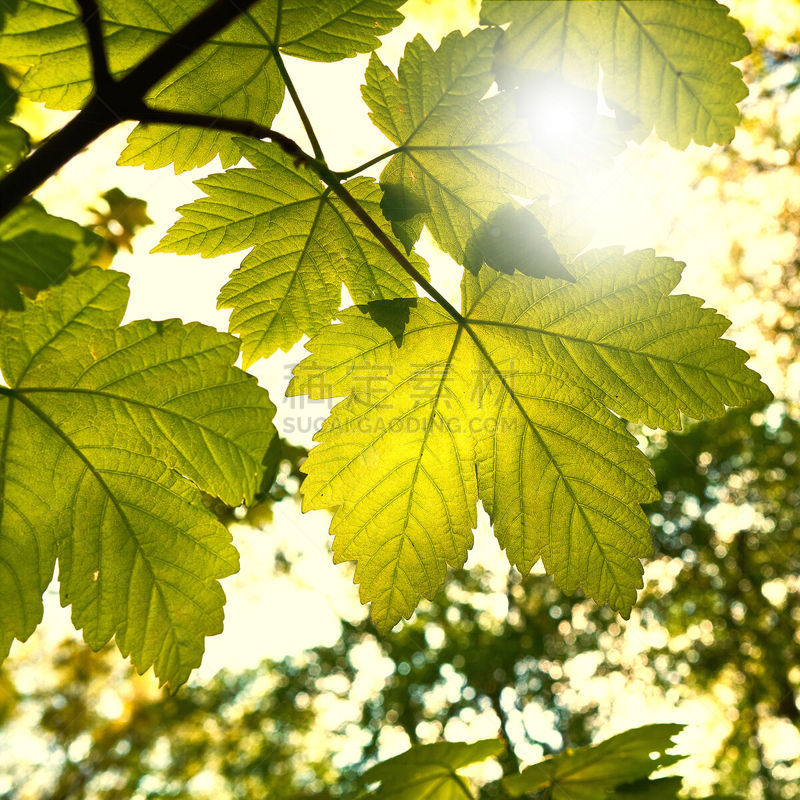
column 666, row 63
column 430, row 771
column 109, row 434
column 592, row 772
column 38, row 250
column 512, row 406
column 307, row 244
column 234, row 75
column 458, row 157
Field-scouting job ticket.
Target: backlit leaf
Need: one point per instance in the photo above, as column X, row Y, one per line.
column 512, row 238
column 307, row 244
column 459, row 155
column 233, row 75
column 589, row 773
column 513, row 407
column 666, row 63
column 109, row 434
column 430, row 771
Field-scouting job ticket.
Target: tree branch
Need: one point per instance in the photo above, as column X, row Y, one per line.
column 114, row 101
column 47, row 160
column 117, row 100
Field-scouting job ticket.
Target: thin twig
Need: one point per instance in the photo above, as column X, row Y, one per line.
column 363, row 216
column 367, row 164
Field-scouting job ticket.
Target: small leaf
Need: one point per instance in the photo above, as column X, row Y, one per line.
column 403, row 207
column 590, row 772
column 108, row 436
column 430, row 771
column 307, row 244
column 393, row 315
column 513, row 239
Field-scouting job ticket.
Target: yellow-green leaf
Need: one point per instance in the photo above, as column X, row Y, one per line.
column 516, row 405
column 306, row 244
column 430, row 771
column 235, row 74
column 666, row 63
column 591, row 773
column 107, row 436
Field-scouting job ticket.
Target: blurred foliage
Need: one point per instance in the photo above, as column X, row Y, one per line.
column 118, row 224
column 728, row 532
column 110, row 735
column 761, row 169
column 729, row 522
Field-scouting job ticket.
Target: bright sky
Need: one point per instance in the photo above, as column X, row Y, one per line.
column 650, row 199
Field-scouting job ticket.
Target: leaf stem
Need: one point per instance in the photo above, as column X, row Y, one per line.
column 367, row 164
column 307, row 126
column 331, row 179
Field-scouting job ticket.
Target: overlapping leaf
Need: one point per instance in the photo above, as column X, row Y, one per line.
column 458, row 156
column 107, row 436
column 14, row 145
column 430, row 771
column 235, row 74
column 592, row 773
column 512, row 406
column 38, row 250
column 14, row 141
column 667, row 63
column 307, row 244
